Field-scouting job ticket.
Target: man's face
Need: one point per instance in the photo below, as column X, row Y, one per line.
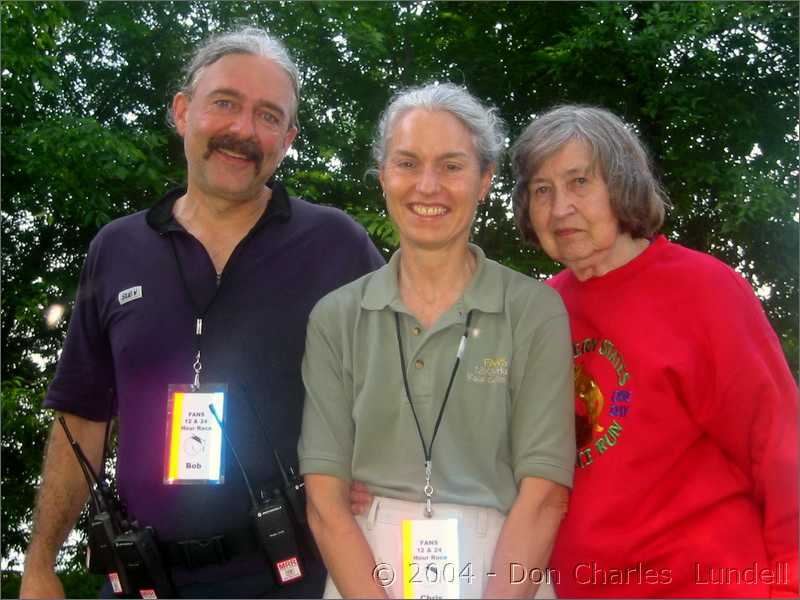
column 236, row 126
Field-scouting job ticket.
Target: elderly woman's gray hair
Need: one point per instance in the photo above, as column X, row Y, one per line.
column 248, row 40
column 636, row 198
column 486, row 126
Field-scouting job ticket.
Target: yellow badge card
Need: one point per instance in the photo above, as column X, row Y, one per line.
column 430, row 558
column 193, row 449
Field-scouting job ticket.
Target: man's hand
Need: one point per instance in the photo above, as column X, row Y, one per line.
column 40, row 582
column 360, row 498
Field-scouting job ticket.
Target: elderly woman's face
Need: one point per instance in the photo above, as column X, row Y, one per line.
column 571, row 212
column 432, row 179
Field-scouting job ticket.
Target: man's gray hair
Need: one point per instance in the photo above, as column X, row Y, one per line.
column 483, row 122
column 637, row 199
column 247, row 40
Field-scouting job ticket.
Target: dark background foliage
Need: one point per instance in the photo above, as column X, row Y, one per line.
column 711, row 86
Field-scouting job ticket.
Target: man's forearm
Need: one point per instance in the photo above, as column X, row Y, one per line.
column 347, row 555
column 527, row 537
column 63, row 491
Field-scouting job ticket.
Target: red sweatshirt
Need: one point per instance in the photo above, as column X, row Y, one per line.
column 687, row 466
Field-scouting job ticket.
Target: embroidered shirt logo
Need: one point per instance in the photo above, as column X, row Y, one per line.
column 490, row 370
column 133, row 293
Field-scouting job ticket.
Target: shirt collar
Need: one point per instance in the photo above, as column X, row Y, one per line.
column 484, row 292
column 161, row 218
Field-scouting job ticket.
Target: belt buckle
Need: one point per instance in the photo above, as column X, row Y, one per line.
column 202, row 552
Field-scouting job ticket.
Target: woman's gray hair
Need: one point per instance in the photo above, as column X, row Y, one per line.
column 637, row 199
column 247, row 40
column 486, row 126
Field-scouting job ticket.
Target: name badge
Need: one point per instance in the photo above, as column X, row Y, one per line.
column 430, row 558
column 193, row 450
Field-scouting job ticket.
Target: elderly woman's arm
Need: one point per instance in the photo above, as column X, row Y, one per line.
column 345, row 551
column 527, row 538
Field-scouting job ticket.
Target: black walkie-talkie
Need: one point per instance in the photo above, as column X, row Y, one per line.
column 272, row 519
column 119, row 548
column 294, row 489
column 104, row 527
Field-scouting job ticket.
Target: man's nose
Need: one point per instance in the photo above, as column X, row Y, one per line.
column 244, row 124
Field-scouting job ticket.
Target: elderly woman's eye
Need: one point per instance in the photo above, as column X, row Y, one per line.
column 581, row 180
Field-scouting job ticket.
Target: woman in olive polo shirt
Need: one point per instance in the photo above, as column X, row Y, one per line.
column 443, row 381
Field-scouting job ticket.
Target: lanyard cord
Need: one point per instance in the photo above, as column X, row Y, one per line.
column 200, row 314
column 427, row 449
column 198, row 366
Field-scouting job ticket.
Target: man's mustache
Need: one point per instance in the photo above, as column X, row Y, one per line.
column 247, row 148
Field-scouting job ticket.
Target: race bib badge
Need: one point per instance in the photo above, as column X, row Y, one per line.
column 193, row 450
column 430, row 558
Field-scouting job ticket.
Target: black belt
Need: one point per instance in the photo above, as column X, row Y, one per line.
column 218, row 549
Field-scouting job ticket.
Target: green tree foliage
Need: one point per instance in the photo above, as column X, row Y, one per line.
column 711, row 86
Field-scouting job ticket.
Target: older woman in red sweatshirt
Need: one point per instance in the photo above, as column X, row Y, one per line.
column 687, row 448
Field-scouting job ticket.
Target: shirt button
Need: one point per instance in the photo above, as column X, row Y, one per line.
column 419, row 364
column 416, row 331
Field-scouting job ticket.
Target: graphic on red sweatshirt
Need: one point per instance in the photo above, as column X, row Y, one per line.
column 598, row 419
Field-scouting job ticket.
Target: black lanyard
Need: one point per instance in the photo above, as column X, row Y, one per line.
column 427, row 449
column 199, row 314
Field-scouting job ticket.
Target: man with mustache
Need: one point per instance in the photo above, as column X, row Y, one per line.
column 212, row 286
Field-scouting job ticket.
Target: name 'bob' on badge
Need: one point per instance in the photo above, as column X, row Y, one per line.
column 193, row 450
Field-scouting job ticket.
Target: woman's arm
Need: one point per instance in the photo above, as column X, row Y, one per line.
column 527, row 537
column 344, row 549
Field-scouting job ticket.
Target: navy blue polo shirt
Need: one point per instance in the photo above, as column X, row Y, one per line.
column 131, row 334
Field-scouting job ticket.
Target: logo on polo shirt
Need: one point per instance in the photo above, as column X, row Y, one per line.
column 489, row 370
column 132, row 293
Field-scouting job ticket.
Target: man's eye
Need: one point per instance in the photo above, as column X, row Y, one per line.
column 541, row 190
column 269, row 118
column 453, row 167
column 405, row 164
column 223, row 104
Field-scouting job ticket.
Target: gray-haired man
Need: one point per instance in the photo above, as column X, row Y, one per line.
column 216, row 280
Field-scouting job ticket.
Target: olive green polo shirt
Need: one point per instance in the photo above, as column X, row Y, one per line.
column 510, row 413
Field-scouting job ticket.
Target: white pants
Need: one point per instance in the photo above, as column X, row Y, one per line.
column 478, row 531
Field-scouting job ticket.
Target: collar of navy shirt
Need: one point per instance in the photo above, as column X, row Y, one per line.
column 161, row 218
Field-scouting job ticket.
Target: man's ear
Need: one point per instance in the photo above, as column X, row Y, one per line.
column 180, row 106
column 291, row 133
